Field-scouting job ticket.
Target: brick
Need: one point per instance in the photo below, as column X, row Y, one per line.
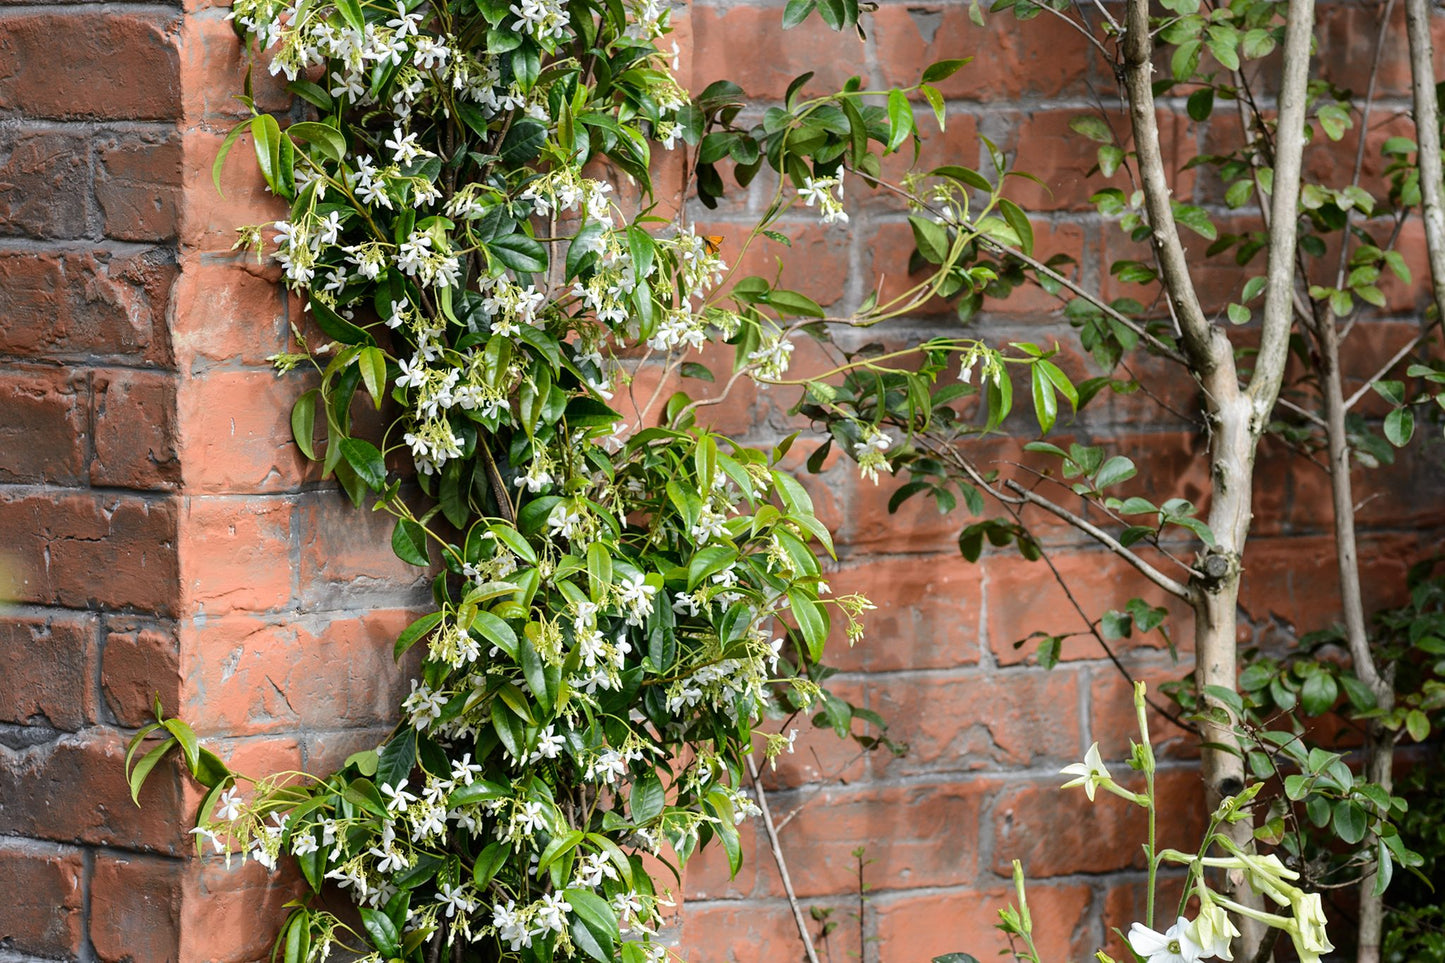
column 44, row 180
column 231, row 311
column 221, row 907
column 747, row 46
column 135, row 430
column 965, row 721
column 43, row 911
column 816, row 262
column 1112, row 720
column 913, row 836
column 235, row 554
column 83, row 550
column 140, row 662
column 1023, row 597
column 643, row 402
column 117, row 65
column 928, row 614
column 245, row 675
column 73, row 789
column 213, row 69
column 963, row 920
column 44, row 425
column 729, row 931
column 47, row 670
column 137, row 185
column 135, row 907
column 80, row 305
column 1042, row 58
column 209, row 219
column 1056, row 832
column 346, row 557
column 1044, row 145
column 236, row 433
column 1295, row 580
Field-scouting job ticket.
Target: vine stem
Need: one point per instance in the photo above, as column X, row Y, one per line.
column 781, row 861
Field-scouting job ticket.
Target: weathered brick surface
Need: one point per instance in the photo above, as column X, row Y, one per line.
column 44, row 897
column 117, row 65
column 44, row 425
column 135, row 907
column 72, row 789
column 135, row 430
column 138, row 185
column 47, row 669
column 44, row 183
column 83, row 550
column 72, row 305
column 140, row 663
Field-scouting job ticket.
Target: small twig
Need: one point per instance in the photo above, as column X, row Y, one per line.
column 1173, row 587
column 782, row 863
column 1384, row 370
column 1099, row 636
column 1388, row 8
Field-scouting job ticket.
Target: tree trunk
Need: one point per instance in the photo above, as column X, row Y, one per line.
column 1216, row 607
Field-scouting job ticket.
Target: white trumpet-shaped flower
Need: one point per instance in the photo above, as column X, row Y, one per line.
column 1090, row 773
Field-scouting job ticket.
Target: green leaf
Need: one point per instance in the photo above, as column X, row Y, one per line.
column 812, row 621
column 1350, row 821
column 647, row 798
column 350, row 11
column 1046, row 403
column 489, row 862
column 900, row 119
column 520, row 253
column 1318, row 694
column 496, row 631
column 1093, row 127
column 943, row 69
column 323, row 136
column 382, row 930
column 523, row 142
column 1418, row 725
column 143, row 768
column 1019, row 221
column 267, row 136
column 796, row 12
column 226, row 146
column 337, row 327
column 1200, row 104
column 1115, row 470
column 372, row 362
column 303, row 422
column 396, row 759
column 931, row 238
column 366, row 461
column 409, row 542
column 597, row 920
column 415, row 632
column 1400, row 427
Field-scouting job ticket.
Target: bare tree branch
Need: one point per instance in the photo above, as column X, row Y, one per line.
column 1173, row 587
column 1427, row 136
column 1284, row 228
column 782, row 863
column 1199, row 337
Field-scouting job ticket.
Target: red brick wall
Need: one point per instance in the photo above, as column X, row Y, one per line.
column 162, row 537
